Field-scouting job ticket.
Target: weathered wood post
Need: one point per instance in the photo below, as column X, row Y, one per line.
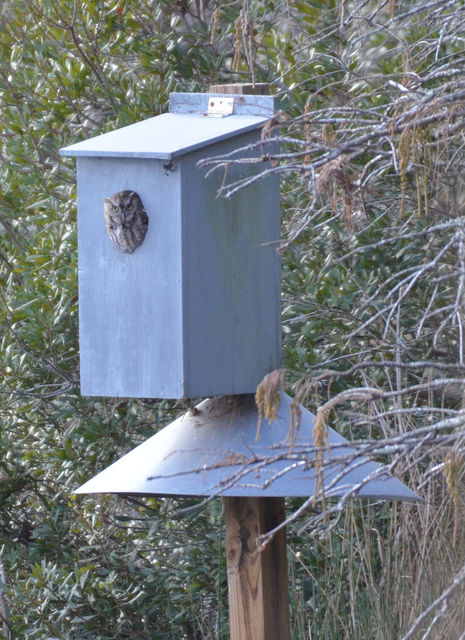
column 257, row 580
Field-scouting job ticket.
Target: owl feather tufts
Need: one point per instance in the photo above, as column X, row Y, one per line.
column 126, row 220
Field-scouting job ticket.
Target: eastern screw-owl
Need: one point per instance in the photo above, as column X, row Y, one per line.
column 126, row 220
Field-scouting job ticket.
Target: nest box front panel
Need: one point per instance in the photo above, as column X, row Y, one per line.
column 130, row 278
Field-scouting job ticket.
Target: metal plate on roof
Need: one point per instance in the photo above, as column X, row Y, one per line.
column 220, row 107
column 213, row 451
column 244, row 104
column 166, row 136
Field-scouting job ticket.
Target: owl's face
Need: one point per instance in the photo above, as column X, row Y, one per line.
column 126, row 220
column 121, row 208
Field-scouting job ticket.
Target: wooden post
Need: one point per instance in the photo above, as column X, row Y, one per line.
column 257, row 581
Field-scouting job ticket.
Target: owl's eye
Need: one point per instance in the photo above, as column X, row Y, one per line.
column 114, row 207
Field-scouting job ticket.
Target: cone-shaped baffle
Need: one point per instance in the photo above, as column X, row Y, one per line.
column 213, row 451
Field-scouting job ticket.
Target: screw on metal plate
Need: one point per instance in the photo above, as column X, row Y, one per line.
column 220, row 107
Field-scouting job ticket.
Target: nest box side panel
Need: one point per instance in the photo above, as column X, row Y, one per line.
column 130, row 306
column 231, row 273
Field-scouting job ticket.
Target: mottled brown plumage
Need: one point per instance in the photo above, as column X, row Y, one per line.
column 126, row 220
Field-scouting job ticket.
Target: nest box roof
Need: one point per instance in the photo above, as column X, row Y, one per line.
column 186, row 128
column 213, row 451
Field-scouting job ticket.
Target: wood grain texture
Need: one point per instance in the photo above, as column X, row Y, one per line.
column 257, row 581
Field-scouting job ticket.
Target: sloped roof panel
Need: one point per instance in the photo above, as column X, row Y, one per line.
column 166, row 136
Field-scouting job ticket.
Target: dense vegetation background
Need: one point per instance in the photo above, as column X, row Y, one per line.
column 372, row 96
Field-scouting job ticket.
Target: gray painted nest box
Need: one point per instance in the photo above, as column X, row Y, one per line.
column 214, row 451
column 179, row 290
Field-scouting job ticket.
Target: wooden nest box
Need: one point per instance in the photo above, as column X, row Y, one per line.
column 194, row 308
